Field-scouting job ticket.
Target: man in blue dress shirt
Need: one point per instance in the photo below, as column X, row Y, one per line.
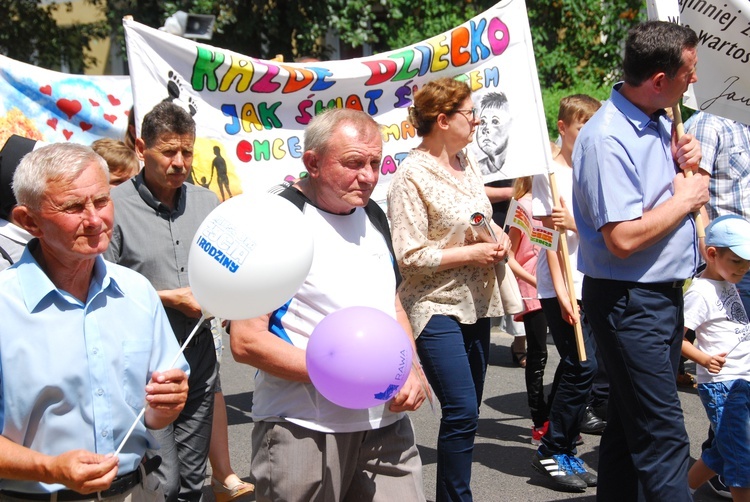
column 632, row 206
column 84, row 344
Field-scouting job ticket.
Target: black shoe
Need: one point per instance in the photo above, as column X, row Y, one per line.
column 580, row 470
column 591, row 423
column 717, row 485
column 559, row 469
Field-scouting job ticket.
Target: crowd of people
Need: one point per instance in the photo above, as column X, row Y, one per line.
column 96, row 254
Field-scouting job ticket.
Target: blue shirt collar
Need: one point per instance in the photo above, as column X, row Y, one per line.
column 36, row 285
column 633, row 114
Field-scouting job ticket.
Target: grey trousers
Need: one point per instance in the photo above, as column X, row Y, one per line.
column 295, row 464
column 185, row 442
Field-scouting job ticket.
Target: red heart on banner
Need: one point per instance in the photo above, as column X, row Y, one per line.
column 110, row 118
column 127, row 113
column 93, row 103
column 67, row 133
column 52, row 123
column 46, row 89
column 85, row 126
column 113, row 100
column 69, row 106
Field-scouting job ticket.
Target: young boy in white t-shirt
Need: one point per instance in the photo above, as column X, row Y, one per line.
column 556, row 456
column 713, row 309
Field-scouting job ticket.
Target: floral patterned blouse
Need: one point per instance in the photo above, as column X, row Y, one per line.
column 430, row 210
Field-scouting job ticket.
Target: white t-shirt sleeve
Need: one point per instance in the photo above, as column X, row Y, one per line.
column 541, row 203
column 696, row 308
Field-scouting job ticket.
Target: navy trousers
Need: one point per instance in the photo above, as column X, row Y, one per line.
column 644, row 450
column 454, row 357
column 572, row 384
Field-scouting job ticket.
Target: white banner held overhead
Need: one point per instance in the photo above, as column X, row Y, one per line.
column 723, row 29
column 251, row 113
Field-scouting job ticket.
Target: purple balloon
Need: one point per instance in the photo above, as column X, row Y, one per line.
column 358, row 357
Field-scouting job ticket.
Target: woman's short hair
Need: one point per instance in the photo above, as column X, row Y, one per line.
column 443, row 95
column 48, row 164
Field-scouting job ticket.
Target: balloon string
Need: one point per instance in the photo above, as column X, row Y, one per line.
column 744, row 338
column 174, row 361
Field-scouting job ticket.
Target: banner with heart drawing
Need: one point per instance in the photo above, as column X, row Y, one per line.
column 57, row 107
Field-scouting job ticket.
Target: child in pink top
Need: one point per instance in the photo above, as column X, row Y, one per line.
column 522, row 262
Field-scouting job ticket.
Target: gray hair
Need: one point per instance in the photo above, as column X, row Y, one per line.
column 55, row 162
column 319, row 132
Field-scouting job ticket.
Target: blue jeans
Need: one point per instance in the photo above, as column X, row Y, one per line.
column 727, row 405
column 572, row 384
column 644, row 451
column 454, row 357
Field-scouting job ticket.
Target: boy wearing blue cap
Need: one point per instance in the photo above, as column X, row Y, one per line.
column 714, row 311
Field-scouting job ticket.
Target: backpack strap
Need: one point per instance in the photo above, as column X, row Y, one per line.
column 373, row 211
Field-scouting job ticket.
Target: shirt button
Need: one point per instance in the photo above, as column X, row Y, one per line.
column 182, row 269
column 95, row 351
column 177, row 242
column 99, row 392
column 104, row 433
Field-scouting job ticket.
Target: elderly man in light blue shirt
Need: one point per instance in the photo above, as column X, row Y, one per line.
column 84, row 344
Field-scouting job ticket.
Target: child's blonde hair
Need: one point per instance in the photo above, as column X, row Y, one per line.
column 521, row 187
column 577, row 107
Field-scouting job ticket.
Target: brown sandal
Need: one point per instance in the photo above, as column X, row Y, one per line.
column 519, row 358
column 224, row 493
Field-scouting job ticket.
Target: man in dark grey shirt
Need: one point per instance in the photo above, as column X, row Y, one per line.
column 156, row 217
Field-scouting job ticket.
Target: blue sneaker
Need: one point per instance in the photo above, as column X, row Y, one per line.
column 559, row 469
column 580, row 470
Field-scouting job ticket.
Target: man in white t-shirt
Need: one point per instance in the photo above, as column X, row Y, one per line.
column 306, row 448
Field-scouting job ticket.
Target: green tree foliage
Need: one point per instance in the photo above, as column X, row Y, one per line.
column 579, row 41
column 29, row 33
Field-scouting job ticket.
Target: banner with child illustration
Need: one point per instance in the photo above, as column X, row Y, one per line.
column 251, row 113
column 56, row 107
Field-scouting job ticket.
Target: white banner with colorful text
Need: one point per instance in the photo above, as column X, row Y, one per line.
column 723, row 30
column 57, row 107
column 251, row 113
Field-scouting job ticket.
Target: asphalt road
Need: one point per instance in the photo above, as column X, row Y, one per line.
column 503, row 451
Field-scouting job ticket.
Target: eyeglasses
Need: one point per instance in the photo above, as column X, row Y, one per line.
column 465, row 113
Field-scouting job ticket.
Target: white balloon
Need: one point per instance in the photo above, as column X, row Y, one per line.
column 249, row 256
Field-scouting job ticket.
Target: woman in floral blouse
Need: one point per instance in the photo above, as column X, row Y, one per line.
column 449, row 288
